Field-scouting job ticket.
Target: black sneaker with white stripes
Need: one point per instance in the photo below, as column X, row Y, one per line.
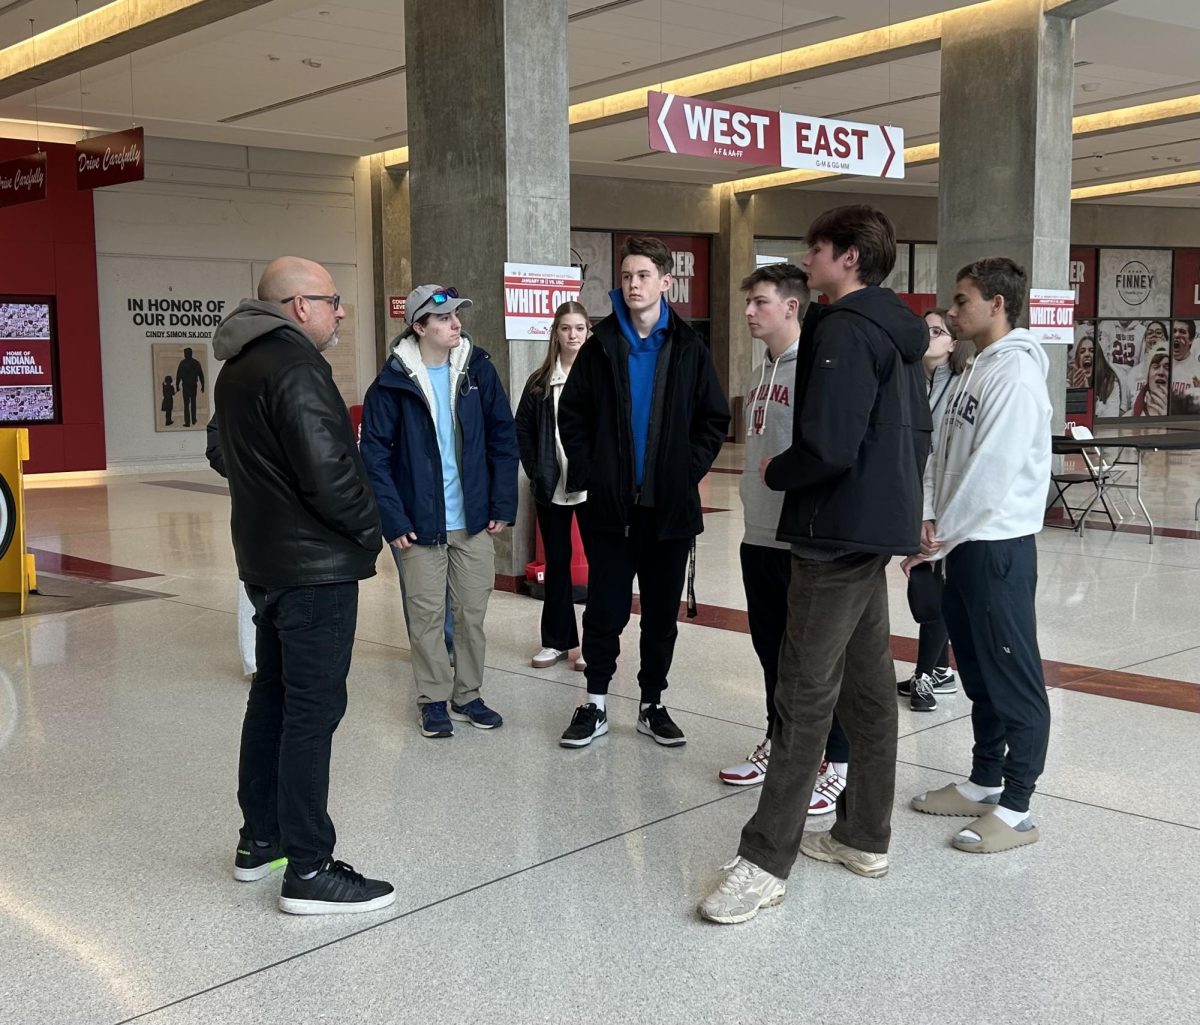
column 921, row 698
column 336, row 889
column 654, row 721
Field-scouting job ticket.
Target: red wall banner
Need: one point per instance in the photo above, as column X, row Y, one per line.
column 57, row 257
column 1083, row 279
column 1186, row 301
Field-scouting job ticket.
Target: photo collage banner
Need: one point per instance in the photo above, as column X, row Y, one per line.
column 1137, row 315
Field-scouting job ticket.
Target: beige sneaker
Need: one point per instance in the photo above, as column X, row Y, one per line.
column 547, row 657
column 823, row 847
column 744, row 890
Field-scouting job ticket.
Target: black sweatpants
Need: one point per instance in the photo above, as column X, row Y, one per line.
column 766, row 573
column 989, row 609
column 558, row 607
column 613, row 561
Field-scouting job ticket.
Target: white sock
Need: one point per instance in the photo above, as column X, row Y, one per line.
column 647, row 704
column 1010, row 817
column 840, row 768
column 308, row 875
column 974, row 792
column 598, row 700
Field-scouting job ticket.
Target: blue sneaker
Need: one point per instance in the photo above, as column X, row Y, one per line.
column 434, row 720
column 477, row 714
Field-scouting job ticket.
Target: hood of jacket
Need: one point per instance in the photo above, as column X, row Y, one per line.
column 251, row 319
column 988, row 476
column 407, row 367
column 884, row 309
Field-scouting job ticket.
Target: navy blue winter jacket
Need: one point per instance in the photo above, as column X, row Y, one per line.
column 400, row 449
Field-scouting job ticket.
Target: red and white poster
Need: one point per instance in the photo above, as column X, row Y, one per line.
column 396, row 306
column 689, row 280
column 1052, row 315
column 726, row 131
column 532, row 292
column 1186, row 301
column 110, row 159
column 23, row 180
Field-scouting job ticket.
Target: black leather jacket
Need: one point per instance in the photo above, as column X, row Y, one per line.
column 535, row 439
column 302, row 510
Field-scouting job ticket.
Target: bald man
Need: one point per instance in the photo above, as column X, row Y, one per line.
column 305, row 532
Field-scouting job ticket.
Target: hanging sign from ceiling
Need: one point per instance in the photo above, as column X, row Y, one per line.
column 726, row 131
column 110, row 159
column 23, row 180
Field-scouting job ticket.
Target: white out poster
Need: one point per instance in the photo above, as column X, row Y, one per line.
column 1135, row 283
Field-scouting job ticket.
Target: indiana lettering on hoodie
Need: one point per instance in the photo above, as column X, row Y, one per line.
column 988, row 476
column 768, row 409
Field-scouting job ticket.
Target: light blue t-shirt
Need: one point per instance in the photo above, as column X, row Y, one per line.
column 451, row 484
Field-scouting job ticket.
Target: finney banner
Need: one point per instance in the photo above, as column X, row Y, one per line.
column 110, row 159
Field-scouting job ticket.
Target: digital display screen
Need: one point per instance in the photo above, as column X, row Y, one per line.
column 28, row 392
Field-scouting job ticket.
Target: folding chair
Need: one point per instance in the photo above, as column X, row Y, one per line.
column 1098, row 474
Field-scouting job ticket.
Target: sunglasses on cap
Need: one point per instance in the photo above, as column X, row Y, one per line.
column 441, row 297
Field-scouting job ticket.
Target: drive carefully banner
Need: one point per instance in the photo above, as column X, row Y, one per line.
column 110, row 159
column 23, row 180
column 726, row 131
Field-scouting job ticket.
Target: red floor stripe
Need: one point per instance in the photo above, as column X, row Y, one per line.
column 86, row 569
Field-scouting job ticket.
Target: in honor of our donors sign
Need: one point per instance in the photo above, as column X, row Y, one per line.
column 110, row 159
column 726, row 131
column 23, row 180
column 532, row 292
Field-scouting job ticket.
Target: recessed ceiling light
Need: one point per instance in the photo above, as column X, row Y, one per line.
column 312, row 62
column 273, row 57
column 1090, row 87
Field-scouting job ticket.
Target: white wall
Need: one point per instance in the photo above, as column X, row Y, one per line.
column 202, row 225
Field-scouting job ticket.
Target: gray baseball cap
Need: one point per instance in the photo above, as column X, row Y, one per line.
column 425, row 299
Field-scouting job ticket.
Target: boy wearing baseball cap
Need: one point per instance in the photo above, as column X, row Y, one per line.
column 441, row 453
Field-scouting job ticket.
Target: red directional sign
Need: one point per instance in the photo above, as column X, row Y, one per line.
column 725, row 131
column 702, row 128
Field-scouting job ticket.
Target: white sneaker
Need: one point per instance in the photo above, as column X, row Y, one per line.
column 743, row 891
column 752, row 771
column 547, row 657
column 825, row 793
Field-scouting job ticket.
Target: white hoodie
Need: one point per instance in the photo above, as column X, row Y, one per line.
column 988, row 478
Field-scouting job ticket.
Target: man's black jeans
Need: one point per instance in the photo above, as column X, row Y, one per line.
column 297, row 699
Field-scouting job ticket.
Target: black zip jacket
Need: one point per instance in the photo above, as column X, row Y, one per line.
column 302, row 511
column 535, row 439
column 687, row 429
column 861, row 432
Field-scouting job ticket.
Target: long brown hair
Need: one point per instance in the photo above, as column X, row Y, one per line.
column 541, row 376
column 963, row 350
column 1104, row 377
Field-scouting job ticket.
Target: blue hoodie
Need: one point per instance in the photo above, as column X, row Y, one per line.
column 643, row 361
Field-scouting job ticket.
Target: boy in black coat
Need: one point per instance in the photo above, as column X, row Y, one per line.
column 642, row 417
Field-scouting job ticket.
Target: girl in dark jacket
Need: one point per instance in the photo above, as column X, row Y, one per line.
column 944, row 360
column 545, row 464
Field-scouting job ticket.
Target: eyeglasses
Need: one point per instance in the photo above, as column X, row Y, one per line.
column 334, row 300
column 938, row 332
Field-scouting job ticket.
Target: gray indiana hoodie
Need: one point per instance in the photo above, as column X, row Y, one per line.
column 770, row 402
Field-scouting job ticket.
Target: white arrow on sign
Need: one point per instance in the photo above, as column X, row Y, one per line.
column 662, row 122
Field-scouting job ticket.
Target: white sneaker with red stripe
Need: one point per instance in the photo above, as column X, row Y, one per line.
column 825, row 793
column 750, row 772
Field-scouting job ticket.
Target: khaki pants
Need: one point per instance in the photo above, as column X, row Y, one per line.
column 467, row 565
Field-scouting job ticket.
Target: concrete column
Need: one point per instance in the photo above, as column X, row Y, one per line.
column 1005, row 171
column 393, row 250
column 489, row 177
column 733, row 259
